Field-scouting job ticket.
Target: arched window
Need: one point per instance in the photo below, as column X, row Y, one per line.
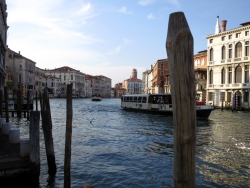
column 223, row 52
column 223, row 76
column 238, row 50
column 238, row 74
column 202, row 62
column 211, row 55
column 211, row 77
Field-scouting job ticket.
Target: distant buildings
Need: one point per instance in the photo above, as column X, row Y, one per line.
column 101, row 85
column 68, row 75
column 133, row 85
column 228, row 66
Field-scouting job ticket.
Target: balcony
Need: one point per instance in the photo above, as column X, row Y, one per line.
column 230, row 86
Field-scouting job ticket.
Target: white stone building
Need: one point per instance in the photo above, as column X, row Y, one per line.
column 54, row 85
column 133, row 85
column 69, row 75
column 228, row 66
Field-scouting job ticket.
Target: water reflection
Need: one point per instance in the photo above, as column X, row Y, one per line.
column 115, row 148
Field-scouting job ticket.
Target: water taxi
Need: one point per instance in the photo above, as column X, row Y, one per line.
column 159, row 104
column 96, row 98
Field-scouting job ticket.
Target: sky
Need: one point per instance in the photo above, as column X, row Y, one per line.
column 110, row 37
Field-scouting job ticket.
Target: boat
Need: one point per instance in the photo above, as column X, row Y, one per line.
column 96, row 98
column 159, row 104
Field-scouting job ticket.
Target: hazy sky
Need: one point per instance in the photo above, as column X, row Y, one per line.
column 110, row 37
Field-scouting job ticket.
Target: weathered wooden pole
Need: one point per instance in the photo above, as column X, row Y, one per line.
column 36, row 102
column 6, row 104
column 47, row 131
column 34, row 145
column 41, row 101
column 1, row 103
column 28, row 105
column 68, row 138
column 179, row 47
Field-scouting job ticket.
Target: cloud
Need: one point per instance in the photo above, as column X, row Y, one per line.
column 175, row 2
column 145, row 2
column 114, row 51
column 150, row 16
column 127, row 41
column 85, row 9
column 124, row 11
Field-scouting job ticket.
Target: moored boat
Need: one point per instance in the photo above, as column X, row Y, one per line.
column 159, row 104
column 96, row 98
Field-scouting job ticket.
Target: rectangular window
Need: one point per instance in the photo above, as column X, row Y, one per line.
column 237, row 35
column 229, row 96
column 246, row 96
column 210, row 96
column 222, row 96
column 247, row 48
column 223, row 38
column 229, row 36
column 230, row 53
column 246, row 74
column 246, row 33
column 211, row 41
column 229, row 75
column 71, row 77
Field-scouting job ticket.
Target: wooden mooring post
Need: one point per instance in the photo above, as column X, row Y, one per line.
column 28, row 105
column 47, row 131
column 68, row 138
column 179, row 47
column 34, row 145
column 1, row 103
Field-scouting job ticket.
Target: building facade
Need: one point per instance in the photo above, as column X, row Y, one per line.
column 101, row 85
column 22, row 70
column 69, row 75
column 54, row 86
column 40, row 79
column 3, row 40
column 200, row 70
column 118, row 91
column 160, row 71
column 133, row 85
column 228, row 66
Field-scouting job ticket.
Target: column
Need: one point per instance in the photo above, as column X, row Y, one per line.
column 243, row 73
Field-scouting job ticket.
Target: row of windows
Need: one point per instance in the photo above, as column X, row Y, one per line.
column 237, row 35
column 237, row 78
column 135, row 99
column 211, row 96
column 237, row 54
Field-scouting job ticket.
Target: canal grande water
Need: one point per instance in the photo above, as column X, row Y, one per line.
column 115, row 148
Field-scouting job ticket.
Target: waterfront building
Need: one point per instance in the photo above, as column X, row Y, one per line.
column 147, row 81
column 3, row 39
column 40, row 79
column 9, row 83
column 101, row 85
column 88, row 87
column 159, row 73
column 69, row 75
column 54, row 86
column 200, row 71
column 118, row 91
column 22, row 70
column 228, row 66
column 133, row 85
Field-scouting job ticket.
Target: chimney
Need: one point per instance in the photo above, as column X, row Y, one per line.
column 19, row 52
column 223, row 25
column 151, row 67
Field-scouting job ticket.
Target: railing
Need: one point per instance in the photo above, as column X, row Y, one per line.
column 237, row 59
column 229, row 60
column 245, row 58
column 223, row 61
column 211, row 62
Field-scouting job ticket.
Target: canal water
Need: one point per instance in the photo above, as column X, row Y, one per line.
column 115, row 148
